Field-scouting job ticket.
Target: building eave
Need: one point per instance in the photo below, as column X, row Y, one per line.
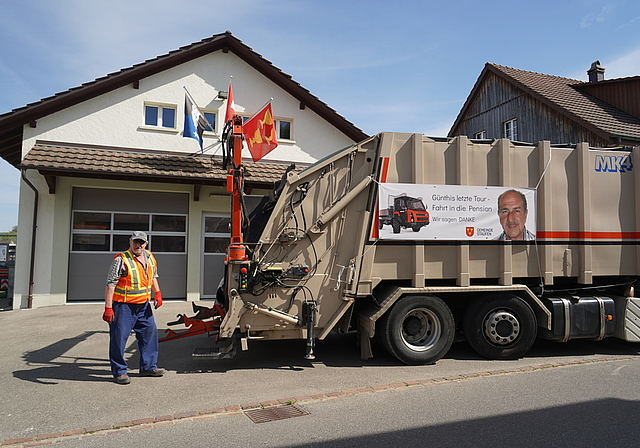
column 11, row 123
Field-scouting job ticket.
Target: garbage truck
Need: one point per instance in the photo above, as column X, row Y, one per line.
column 526, row 241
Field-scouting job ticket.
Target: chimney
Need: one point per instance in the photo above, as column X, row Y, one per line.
column 596, row 72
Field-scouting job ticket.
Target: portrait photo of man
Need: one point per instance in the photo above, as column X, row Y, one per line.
column 513, row 212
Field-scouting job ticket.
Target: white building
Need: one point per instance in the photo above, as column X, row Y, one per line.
column 106, row 158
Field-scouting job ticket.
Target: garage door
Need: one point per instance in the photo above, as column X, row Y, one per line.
column 102, row 222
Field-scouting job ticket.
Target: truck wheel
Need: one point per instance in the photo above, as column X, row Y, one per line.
column 380, row 224
column 416, row 228
column 501, row 328
column 417, row 329
column 395, row 225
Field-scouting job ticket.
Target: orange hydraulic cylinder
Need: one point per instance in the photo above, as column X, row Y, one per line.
column 237, row 250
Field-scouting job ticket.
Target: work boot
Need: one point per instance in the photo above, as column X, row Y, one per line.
column 154, row 372
column 123, row 379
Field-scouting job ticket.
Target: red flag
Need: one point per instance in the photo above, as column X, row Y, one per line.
column 260, row 133
column 231, row 107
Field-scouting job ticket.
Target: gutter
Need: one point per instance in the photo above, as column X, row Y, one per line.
column 625, row 137
column 33, row 238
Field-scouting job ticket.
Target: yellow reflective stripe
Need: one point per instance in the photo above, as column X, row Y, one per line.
column 133, row 269
column 152, row 265
column 132, row 292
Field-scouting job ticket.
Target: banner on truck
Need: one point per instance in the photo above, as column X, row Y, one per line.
column 455, row 212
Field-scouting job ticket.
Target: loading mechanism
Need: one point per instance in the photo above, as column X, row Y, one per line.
column 209, row 320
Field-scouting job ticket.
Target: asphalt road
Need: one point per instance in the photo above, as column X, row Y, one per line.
column 578, row 406
column 57, row 387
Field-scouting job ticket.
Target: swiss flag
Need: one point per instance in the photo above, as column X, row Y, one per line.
column 260, row 133
column 231, row 107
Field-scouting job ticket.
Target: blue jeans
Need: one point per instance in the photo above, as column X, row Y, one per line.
column 139, row 318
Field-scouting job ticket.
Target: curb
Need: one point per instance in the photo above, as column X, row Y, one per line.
column 238, row 409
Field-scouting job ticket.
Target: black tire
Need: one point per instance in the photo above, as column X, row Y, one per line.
column 395, row 225
column 417, row 329
column 416, row 228
column 380, row 224
column 500, row 328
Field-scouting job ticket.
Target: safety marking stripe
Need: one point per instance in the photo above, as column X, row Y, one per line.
column 554, row 234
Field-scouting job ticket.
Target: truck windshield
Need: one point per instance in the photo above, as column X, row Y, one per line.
column 416, row 204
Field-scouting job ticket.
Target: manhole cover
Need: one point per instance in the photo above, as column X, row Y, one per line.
column 276, row 413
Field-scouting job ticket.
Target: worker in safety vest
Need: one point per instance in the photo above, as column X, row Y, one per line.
column 131, row 279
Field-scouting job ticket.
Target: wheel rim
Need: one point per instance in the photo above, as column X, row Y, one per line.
column 501, row 327
column 421, row 329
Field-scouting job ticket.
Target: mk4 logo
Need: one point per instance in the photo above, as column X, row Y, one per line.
column 614, row 164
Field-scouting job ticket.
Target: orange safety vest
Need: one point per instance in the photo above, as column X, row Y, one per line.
column 136, row 286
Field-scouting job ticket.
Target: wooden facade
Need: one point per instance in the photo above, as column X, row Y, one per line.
column 498, row 101
column 546, row 107
column 622, row 93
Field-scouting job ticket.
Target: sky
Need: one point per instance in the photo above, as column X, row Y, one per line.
column 395, row 65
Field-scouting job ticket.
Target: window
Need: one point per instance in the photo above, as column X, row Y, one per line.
column 216, row 234
column 215, row 224
column 131, row 221
column 110, row 231
column 91, row 242
column 283, row 128
column 211, row 121
column 482, row 135
column 160, row 115
column 215, row 241
column 511, row 129
column 91, row 220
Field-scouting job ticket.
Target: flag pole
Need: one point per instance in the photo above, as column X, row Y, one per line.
column 260, row 110
column 230, row 106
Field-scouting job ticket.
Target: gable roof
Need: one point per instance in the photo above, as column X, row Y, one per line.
column 563, row 95
column 11, row 123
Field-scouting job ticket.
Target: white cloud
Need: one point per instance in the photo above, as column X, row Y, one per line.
column 626, row 65
column 616, row 66
column 594, row 18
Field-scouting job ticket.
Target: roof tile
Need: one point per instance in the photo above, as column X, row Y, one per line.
column 564, row 94
column 78, row 159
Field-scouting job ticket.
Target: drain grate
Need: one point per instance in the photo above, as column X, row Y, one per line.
column 275, row 413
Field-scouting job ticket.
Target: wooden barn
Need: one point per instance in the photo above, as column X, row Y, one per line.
column 528, row 107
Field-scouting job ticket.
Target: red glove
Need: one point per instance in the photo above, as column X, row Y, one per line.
column 108, row 315
column 157, row 300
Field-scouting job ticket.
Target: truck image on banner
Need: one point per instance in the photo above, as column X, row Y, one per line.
column 455, row 212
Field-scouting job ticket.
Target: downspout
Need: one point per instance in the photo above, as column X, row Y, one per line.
column 33, row 238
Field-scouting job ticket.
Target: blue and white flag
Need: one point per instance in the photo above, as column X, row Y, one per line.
column 194, row 121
